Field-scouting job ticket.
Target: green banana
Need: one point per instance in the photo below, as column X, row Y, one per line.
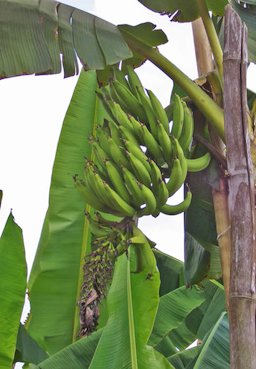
column 103, row 141
column 137, row 151
column 139, row 169
column 165, row 142
column 117, row 181
column 180, row 155
column 96, row 228
column 114, row 132
column 117, row 153
column 156, row 175
column 99, row 155
column 176, row 177
column 121, row 117
column 128, row 135
column 134, row 81
column 179, row 208
column 151, row 119
column 136, row 128
column 149, row 199
column 127, row 100
column 151, row 144
column 178, row 116
column 159, row 111
column 162, row 194
column 89, row 196
column 119, row 206
column 187, row 130
column 198, row 164
column 120, row 77
column 133, row 187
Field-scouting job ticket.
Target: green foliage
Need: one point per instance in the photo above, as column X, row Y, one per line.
column 13, row 273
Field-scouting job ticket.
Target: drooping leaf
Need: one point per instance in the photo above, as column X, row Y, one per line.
column 173, row 309
column 215, row 350
column 171, row 272
column 200, row 228
column 77, row 355
column 42, row 36
column 13, row 274
column 183, row 10
column 183, row 358
column 27, row 349
column 56, row 276
column 197, row 323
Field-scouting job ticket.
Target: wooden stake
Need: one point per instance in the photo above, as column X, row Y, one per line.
column 241, row 196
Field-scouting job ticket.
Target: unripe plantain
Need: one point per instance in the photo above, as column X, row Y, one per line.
column 198, row 164
column 179, row 208
column 178, row 116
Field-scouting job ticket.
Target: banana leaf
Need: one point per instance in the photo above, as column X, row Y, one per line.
column 214, row 352
column 132, row 303
column 77, row 355
column 183, row 358
column 56, row 276
column 44, row 36
column 27, row 349
column 13, row 277
column 171, row 272
column 173, row 309
column 198, row 323
column 183, row 10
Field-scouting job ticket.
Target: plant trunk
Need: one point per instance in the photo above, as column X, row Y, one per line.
column 220, row 195
column 241, row 196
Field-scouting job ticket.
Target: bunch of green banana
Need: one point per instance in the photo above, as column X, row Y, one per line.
column 138, row 162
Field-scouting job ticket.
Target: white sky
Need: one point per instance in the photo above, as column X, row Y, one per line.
column 31, row 115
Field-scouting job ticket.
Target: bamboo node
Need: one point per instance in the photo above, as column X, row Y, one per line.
column 223, row 232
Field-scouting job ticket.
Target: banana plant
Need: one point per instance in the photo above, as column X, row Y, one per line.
column 138, row 326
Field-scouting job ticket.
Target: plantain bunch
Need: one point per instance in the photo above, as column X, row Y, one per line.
column 140, row 159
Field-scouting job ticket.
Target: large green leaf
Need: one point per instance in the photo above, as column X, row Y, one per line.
column 42, row 36
column 13, row 274
column 173, row 309
column 56, row 276
column 77, row 355
column 183, row 10
column 171, row 272
column 215, row 349
column 27, row 349
column 197, row 323
column 132, row 303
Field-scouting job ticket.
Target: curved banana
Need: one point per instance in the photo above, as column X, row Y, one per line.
column 117, row 154
column 149, row 200
column 98, row 153
column 127, row 100
column 136, row 128
column 139, row 169
column 151, row 119
column 162, row 194
column 117, row 180
column 120, row 116
column 131, row 183
column 134, row 81
column 151, row 144
column 156, row 175
column 159, row 111
column 180, row 155
column 176, row 177
column 178, row 116
column 119, row 206
column 198, row 164
column 120, row 77
column 165, row 142
column 187, row 130
column 89, row 196
column 114, row 132
column 138, row 153
column 179, row 208
column 126, row 134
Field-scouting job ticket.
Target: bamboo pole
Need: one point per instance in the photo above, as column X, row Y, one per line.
column 220, row 201
column 241, row 196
